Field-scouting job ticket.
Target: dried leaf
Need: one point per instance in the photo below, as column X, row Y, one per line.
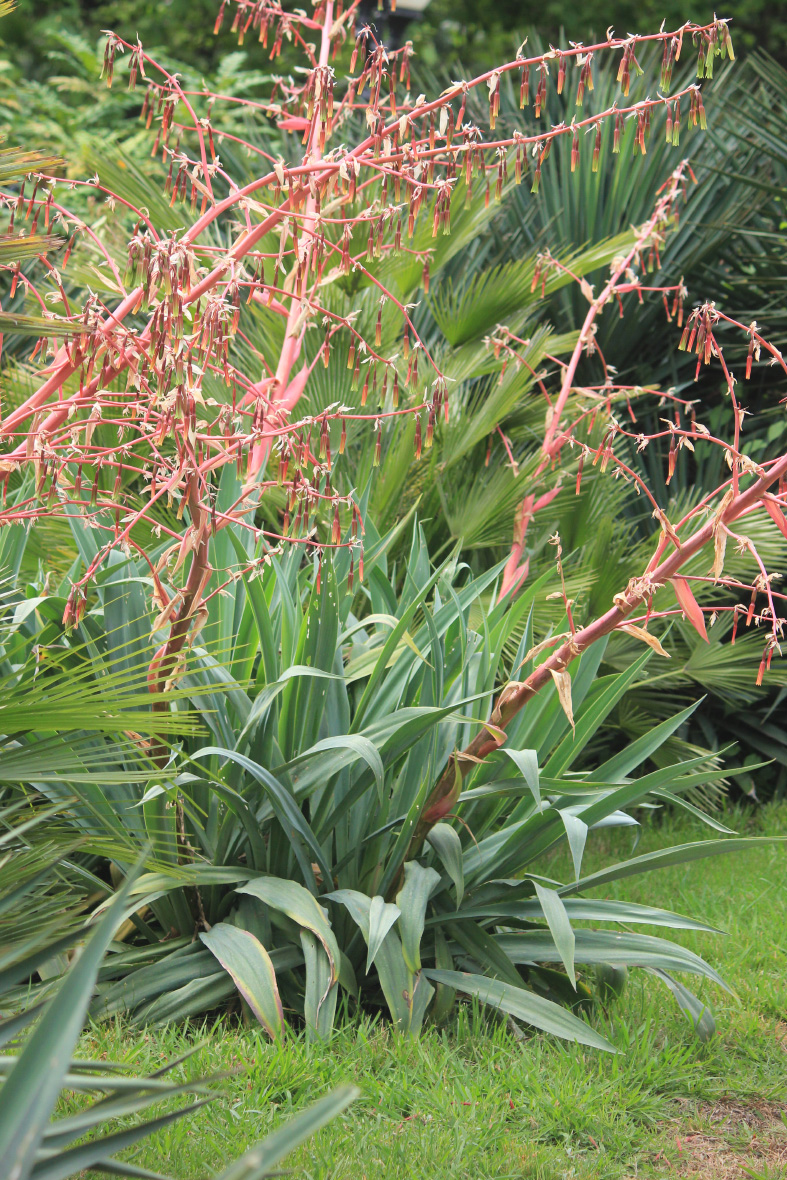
column 563, row 684
column 749, row 467
column 726, row 500
column 719, row 547
column 667, row 527
column 646, row 637
column 544, row 646
column 688, row 604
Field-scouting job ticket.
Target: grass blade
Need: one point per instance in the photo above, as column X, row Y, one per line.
column 259, row 1160
column 26, row 1106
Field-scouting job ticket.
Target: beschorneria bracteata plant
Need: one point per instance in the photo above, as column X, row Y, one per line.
column 140, row 365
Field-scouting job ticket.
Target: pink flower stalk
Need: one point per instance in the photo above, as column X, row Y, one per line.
column 352, row 201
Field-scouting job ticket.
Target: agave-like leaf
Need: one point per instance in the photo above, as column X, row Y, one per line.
column 249, row 964
column 448, row 846
column 279, row 820
column 602, row 946
column 524, row 1005
column 412, row 900
column 297, row 903
column 680, row 854
column 556, row 914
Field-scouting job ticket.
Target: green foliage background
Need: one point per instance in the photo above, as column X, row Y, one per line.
column 469, row 31
column 348, row 784
column 470, row 28
column 185, row 27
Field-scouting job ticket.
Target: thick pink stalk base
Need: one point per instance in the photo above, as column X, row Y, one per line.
column 515, row 695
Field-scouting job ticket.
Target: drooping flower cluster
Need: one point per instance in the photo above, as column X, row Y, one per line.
column 142, row 401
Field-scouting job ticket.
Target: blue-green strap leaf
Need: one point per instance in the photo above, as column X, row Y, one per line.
column 446, row 843
column 524, row 1005
column 412, row 900
column 559, row 927
column 244, row 957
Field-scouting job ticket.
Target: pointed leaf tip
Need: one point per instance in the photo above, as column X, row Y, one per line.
column 689, row 605
column 563, row 684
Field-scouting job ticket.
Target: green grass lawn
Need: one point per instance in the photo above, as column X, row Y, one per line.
column 474, row 1101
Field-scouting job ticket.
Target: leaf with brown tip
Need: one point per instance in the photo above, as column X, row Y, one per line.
column 563, row 684
column 646, row 637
